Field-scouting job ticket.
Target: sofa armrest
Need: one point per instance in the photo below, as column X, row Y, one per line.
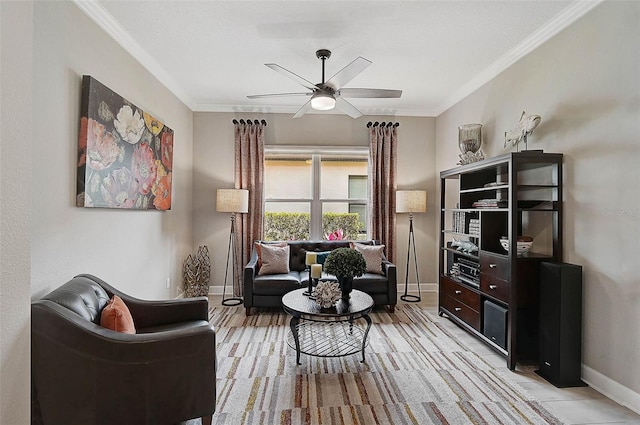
column 149, row 313
column 391, row 273
column 249, row 274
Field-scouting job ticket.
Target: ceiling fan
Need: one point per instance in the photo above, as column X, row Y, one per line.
column 331, row 93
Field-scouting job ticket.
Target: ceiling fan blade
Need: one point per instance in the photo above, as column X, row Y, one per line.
column 258, row 96
column 347, row 108
column 305, row 108
column 371, row 93
column 349, row 72
column 302, row 81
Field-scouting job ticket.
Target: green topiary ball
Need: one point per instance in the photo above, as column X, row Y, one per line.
column 345, row 262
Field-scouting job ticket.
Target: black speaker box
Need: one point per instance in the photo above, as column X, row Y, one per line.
column 560, row 352
column 495, row 323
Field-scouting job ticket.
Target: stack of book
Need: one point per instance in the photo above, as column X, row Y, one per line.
column 490, row 203
column 459, row 220
column 474, row 227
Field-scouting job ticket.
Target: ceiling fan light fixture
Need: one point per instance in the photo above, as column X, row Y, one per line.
column 322, row 101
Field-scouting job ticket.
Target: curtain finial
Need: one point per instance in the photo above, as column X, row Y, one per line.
column 383, row 124
column 249, row 122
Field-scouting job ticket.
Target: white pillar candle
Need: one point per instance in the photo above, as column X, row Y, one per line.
column 316, row 271
column 310, row 258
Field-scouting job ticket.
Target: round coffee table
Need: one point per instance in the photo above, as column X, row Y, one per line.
column 328, row 332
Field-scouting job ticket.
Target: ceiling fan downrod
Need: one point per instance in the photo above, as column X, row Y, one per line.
column 323, row 54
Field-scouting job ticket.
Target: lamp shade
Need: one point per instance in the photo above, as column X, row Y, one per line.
column 232, row 200
column 411, row 201
column 322, row 101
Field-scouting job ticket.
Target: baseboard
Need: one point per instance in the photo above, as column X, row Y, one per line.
column 611, row 389
column 413, row 288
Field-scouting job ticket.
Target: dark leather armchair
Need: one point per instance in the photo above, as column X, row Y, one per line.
column 85, row 374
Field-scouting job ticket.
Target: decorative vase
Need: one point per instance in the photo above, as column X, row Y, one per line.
column 346, row 286
column 470, row 138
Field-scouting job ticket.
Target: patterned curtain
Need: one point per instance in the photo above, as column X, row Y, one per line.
column 249, row 167
column 383, row 147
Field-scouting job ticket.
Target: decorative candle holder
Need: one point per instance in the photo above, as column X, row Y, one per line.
column 315, row 273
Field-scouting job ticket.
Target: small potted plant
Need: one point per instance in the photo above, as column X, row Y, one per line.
column 345, row 264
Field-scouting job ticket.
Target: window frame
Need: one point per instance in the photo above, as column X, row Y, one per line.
column 316, row 202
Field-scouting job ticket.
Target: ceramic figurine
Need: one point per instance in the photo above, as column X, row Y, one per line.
column 465, row 246
column 527, row 124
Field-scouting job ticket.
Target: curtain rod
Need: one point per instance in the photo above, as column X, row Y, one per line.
column 249, row 122
column 382, row 124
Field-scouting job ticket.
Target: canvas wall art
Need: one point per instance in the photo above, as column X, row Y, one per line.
column 125, row 155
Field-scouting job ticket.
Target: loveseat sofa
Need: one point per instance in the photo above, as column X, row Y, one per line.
column 266, row 290
column 85, row 373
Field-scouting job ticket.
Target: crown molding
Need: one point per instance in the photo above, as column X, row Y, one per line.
column 568, row 16
column 106, row 21
column 290, row 109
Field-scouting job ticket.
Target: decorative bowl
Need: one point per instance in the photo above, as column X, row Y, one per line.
column 522, row 245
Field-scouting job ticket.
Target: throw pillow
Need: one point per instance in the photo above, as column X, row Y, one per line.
column 322, row 256
column 372, row 256
column 117, row 317
column 259, row 249
column 275, row 260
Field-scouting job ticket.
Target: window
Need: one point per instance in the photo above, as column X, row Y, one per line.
column 315, row 194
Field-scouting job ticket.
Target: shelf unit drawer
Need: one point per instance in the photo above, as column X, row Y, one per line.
column 494, row 287
column 461, row 293
column 462, row 311
column 494, row 265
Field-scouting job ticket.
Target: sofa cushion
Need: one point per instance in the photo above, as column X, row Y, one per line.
column 117, row 317
column 275, row 260
column 277, row 284
column 372, row 254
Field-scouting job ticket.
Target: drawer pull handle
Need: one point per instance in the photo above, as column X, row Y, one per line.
column 547, row 363
column 458, row 292
column 493, row 266
column 493, row 286
column 457, row 309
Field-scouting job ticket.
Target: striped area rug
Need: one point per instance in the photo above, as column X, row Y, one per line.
column 416, row 372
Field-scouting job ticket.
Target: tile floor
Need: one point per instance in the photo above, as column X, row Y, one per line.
column 578, row 405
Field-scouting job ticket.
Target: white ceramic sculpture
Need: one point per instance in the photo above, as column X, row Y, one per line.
column 327, row 293
column 527, row 124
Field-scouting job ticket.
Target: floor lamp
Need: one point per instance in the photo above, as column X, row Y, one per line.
column 232, row 201
column 411, row 201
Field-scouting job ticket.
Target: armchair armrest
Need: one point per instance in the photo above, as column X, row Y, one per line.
column 148, row 313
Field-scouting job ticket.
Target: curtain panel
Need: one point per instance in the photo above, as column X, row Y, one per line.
column 249, row 174
column 383, row 142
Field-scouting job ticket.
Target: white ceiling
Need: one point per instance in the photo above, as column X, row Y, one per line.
column 211, row 54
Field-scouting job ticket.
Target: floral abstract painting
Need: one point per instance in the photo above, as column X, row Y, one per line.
column 125, row 155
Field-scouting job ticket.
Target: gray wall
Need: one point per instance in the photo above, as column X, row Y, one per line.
column 585, row 83
column 135, row 251
column 16, row 31
column 214, row 169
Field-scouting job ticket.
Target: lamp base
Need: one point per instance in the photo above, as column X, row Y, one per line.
column 410, row 298
column 229, row 302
